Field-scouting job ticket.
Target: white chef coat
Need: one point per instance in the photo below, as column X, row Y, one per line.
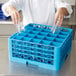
column 37, row 11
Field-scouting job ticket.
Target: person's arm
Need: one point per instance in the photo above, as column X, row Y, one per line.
column 11, row 8
column 63, row 10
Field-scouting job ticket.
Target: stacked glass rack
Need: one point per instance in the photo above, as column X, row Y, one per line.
column 38, row 46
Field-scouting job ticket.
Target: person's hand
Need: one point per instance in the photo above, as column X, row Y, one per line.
column 14, row 14
column 59, row 16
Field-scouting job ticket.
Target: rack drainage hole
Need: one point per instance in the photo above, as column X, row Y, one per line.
column 66, row 57
column 26, row 62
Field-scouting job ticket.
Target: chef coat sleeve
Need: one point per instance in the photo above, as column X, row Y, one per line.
column 16, row 3
column 61, row 3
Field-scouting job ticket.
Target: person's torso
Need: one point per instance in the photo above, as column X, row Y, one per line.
column 38, row 11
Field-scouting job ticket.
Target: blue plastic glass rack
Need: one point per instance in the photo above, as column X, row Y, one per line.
column 38, row 46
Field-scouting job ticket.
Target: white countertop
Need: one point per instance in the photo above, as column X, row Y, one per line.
column 6, row 22
column 12, row 68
